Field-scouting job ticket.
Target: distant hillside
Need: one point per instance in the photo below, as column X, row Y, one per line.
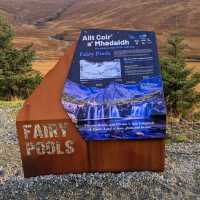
column 41, row 22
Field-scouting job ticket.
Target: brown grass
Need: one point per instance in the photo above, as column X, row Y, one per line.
column 44, row 66
column 194, row 65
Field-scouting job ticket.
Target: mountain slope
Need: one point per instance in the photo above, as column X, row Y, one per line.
column 41, row 22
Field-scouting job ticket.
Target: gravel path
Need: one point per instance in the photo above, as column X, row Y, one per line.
column 180, row 180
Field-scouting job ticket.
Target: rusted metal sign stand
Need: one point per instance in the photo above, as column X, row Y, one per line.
column 50, row 143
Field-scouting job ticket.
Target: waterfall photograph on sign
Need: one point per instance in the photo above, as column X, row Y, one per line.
column 117, row 111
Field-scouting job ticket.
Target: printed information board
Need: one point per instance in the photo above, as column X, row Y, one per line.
column 114, row 88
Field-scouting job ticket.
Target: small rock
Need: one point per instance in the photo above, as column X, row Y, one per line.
column 18, row 172
column 2, row 171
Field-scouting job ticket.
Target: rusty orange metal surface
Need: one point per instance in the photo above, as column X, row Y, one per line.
column 50, row 143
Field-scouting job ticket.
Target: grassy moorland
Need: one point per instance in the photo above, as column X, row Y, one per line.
column 38, row 22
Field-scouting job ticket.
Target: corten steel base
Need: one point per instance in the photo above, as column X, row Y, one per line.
column 52, row 152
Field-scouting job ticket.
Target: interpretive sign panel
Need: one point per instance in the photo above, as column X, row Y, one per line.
column 114, row 88
column 103, row 106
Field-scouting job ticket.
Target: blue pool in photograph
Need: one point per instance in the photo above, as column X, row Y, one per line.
column 114, row 88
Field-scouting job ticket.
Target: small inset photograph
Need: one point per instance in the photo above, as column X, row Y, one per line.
column 100, row 70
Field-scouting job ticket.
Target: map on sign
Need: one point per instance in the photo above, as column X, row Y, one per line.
column 114, row 88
